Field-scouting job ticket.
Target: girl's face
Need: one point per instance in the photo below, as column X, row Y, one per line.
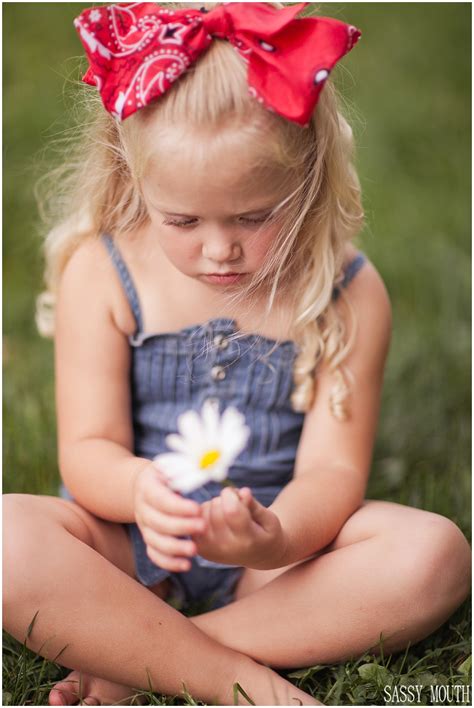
column 212, row 216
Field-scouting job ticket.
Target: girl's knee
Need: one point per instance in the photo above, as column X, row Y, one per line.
column 31, row 525
column 40, row 529
column 49, row 514
column 20, row 545
column 17, row 519
column 439, row 562
column 453, row 558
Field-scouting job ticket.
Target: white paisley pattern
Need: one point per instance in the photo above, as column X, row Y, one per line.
column 128, row 34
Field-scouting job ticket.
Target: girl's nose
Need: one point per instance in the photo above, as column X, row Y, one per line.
column 221, row 249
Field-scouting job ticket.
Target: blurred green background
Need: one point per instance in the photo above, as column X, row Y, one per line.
column 407, row 90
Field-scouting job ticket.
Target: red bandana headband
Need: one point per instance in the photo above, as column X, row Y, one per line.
column 137, row 50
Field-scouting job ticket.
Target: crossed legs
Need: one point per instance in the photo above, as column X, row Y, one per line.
column 392, row 569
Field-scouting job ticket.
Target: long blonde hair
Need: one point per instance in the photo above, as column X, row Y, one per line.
column 97, row 190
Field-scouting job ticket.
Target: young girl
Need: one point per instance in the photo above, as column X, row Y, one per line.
column 204, row 253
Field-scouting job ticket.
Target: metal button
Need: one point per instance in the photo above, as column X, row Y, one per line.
column 218, row 373
column 220, row 341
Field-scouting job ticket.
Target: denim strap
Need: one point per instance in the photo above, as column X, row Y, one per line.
column 125, row 279
column 350, row 272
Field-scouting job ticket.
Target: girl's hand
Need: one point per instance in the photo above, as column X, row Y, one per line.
column 162, row 516
column 240, row 531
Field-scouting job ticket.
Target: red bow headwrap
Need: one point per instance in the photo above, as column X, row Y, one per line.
column 137, row 50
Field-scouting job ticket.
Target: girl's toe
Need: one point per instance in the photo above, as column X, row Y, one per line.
column 62, row 695
column 57, row 698
column 66, row 692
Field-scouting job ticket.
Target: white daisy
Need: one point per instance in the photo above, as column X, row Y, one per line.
column 205, row 447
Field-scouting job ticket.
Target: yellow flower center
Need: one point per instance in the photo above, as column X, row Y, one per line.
column 209, row 458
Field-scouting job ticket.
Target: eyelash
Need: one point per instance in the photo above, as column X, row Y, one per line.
column 192, row 222
column 181, row 224
column 258, row 220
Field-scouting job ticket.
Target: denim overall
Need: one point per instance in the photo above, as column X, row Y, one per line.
column 174, row 371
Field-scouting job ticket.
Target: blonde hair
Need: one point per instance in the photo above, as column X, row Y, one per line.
column 100, row 193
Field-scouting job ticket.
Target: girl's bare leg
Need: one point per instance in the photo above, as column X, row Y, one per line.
column 392, row 569
column 103, row 622
column 93, row 690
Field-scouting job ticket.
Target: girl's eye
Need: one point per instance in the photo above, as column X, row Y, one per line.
column 182, row 223
column 260, row 219
column 187, row 223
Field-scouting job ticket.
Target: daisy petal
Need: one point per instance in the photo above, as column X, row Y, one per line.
column 210, row 419
column 219, row 471
column 171, row 463
column 182, row 474
column 189, row 482
column 231, row 418
column 191, row 428
column 234, row 432
column 178, row 444
column 235, row 443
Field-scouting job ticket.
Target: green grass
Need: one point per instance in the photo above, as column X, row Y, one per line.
column 443, row 659
column 407, row 85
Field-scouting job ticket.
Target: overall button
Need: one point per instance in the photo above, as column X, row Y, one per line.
column 218, row 373
column 220, row 341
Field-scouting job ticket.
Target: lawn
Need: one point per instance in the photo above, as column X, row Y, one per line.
column 406, row 88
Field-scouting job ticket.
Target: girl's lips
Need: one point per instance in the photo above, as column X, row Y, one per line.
column 227, row 279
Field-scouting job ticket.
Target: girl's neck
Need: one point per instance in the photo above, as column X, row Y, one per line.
column 171, row 301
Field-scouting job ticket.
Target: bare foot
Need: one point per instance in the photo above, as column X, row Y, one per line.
column 267, row 688
column 84, row 689
column 293, row 696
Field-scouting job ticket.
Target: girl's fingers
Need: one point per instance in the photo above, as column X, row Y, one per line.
column 216, row 516
column 168, row 545
column 174, row 525
column 260, row 514
column 206, row 517
column 167, row 501
column 245, row 495
column 161, row 476
column 237, row 516
column 175, row 565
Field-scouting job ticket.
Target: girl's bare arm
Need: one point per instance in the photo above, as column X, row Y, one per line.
column 333, row 460
column 92, row 388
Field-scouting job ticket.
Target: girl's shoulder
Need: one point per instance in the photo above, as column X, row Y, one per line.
column 86, row 268
column 369, row 300
column 89, row 275
column 368, row 282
